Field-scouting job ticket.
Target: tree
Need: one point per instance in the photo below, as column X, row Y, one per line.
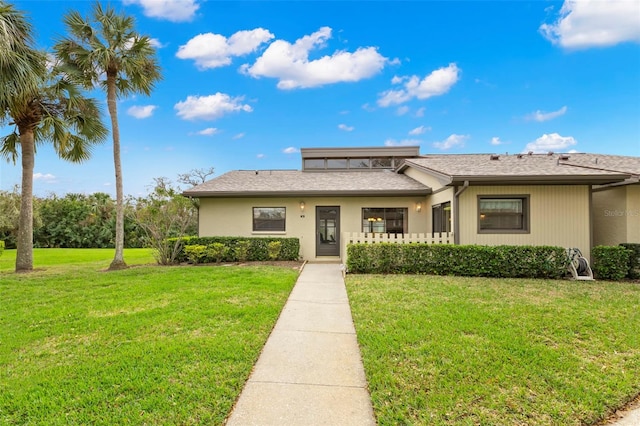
column 105, row 50
column 41, row 105
column 164, row 214
column 196, row 176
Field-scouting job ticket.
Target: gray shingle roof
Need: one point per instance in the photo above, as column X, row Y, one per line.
column 542, row 168
column 296, row 183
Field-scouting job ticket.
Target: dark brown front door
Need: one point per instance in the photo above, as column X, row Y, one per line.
column 327, row 231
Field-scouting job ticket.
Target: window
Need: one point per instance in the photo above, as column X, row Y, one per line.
column 269, row 219
column 359, row 163
column 441, row 217
column 336, row 163
column 384, row 220
column 503, row 214
column 314, row 163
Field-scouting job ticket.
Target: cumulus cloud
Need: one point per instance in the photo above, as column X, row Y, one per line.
column 451, row 142
column 436, row 83
column 345, row 127
column 209, row 131
column 541, row 116
column 140, row 111
column 419, row 130
column 156, row 43
column 290, row 150
column 210, row 107
column 45, row 177
column 214, row 50
column 402, row 142
column 496, row 141
column 594, row 23
column 171, row 10
column 290, row 63
column 550, row 143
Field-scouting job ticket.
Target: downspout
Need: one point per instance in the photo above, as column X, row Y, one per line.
column 456, row 212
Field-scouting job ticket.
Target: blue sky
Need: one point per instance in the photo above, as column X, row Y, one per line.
column 248, row 83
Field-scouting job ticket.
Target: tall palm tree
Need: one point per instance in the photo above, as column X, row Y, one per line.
column 55, row 112
column 105, row 50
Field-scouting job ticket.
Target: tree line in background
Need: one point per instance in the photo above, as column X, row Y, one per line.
column 88, row 221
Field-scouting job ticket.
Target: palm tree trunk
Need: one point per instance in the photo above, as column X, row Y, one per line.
column 118, row 260
column 24, row 254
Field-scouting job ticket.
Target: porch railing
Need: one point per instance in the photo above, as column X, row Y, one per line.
column 375, row 237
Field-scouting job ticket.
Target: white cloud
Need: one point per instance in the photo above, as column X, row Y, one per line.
column 260, row 156
column 541, row 116
column 210, row 107
column 156, row 43
column 145, row 111
column 419, row 130
column 451, row 142
column 437, row 83
column 368, row 107
column 214, row 50
column 550, row 143
column 594, row 23
column 345, row 127
column 238, row 136
column 420, row 112
column 402, row 110
column 209, row 131
column 403, row 142
column 496, row 141
column 45, row 177
column 171, row 10
column 290, row 63
column 290, row 150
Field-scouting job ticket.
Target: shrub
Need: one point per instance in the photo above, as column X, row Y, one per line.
column 257, row 249
column 273, row 249
column 634, row 260
column 448, row 259
column 195, row 253
column 610, row 262
column 241, row 250
column 217, row 251
column 1, row 247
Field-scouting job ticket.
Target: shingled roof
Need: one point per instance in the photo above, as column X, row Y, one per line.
column 271, row 183
column 524, row 168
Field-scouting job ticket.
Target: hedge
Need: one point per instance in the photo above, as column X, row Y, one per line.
column 634, row 260
column 242, row 248
column 463, row 260
column 610, row 262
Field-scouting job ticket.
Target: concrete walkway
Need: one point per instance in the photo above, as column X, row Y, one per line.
column 310, row 371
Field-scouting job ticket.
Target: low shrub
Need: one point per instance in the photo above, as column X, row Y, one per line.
column 634, row 260
column 273, row 249
column 610, row 262
column 1, row 247
column 241, row 249
column 217, row 251
column 449, row 259
column 196, row 253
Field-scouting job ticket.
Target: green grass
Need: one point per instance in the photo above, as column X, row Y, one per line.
column 467, row 351
column 146, row 345
column 65, row 258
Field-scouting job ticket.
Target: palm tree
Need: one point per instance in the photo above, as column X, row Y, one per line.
column 55, row 111
column 105, row 50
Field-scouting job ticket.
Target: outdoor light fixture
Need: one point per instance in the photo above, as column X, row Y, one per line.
column 418, row 207
column 302, row 206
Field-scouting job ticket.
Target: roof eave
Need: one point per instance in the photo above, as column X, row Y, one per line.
column 323, row 193
column 540, row 179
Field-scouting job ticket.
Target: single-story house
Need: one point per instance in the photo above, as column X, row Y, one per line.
column 394, row 193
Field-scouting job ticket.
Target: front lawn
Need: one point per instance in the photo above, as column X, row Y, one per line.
column 146, row 345
column 47, row 258
column 467, row 351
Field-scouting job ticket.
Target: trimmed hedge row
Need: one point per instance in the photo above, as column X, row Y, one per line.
column 610, row 262
column 235, row 248
column 634, row 260
column 464, row 260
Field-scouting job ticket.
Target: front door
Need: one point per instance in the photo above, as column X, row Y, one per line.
column 327, row 231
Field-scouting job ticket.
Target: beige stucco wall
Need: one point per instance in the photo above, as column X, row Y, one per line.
column 616, row 215
column 233, row 216
column 559, row 216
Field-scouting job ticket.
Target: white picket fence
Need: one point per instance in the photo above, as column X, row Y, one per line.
column 373, row 238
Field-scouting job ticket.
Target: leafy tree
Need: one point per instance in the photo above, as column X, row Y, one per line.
column 104, row 49
column 164, row 214
column 9, row 216
column 46, row 106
